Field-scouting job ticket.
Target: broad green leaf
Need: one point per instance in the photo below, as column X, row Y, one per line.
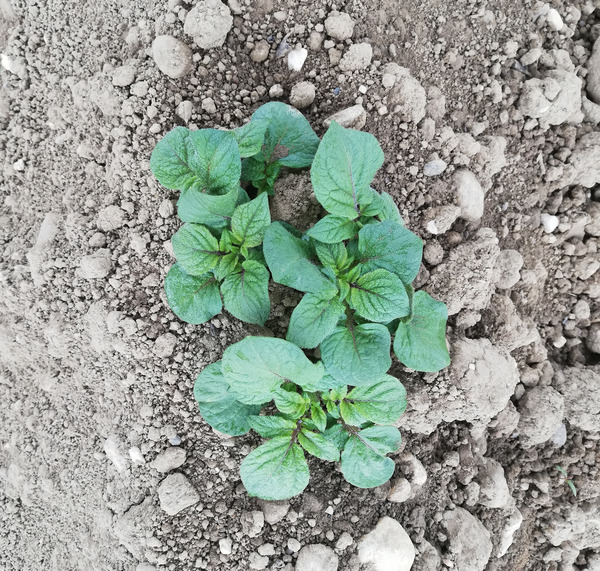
column 357, row 354
column 271, row 426
column 194, row 299
column 207, row 161
column 196, row 249
column 379, row 296
column 228, row 265
column 217, row 406
column 332, row 256
column 338, row 435
column 343, row 169
column 292, row 261
column 246, row 293
column 318, row 416
column 208, row 209
column 421, row 342
column 389, row 210
column 256, row 367
column 276, row 470
column 313, row 319
column 250, row 137
column 332, row 229
column 381, row 402
column 364, row 463
column 289, row 138
column 390, row 246
column 329, row 382
column 317, row 445
column 253, row 168
column 250, row 221
column 350, row 415
column 290, row 403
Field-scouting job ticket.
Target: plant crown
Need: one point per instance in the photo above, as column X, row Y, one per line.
column 355, row 267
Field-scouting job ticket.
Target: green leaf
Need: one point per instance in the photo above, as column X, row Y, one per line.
column 271, row 426
column 290, row 403
column 256, row 367
column 318, row 416
column 332, row 229
column 390, row 246
column 389, row 210
column 572, row 487
column 289, row 138
column 196, row 249
column 364, row 463
column 210, row 210
column 337, row 435
column 381, row 402
column 250, row 137
column 228, row 265
column 421, row 342
column 332, row 256
column 357, row 354
column 350, row 415
column 317, row 445
column 328, row 382
column 250, row 221
column 246, row 293
column 207, row 161
column 379, row 296
column 343, row 169
column 292, row 261
column 194, row 299
column 313, row 319
column 217, row 406
column 276, row 470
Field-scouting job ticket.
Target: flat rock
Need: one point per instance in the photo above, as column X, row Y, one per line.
column 110, row 218
column 407, row 97
column 387, row 548
column 164, row 345
column 169, row 459
column 400, row 491
column 353, row 117
column 123, row 75
column 95, row 266
column 172, row 56
column 208, row 22
column 302, row 94
column 274, row 511
column 469, row 194
column 357, row 57
column 542, row 410
column 469, row 541
column 176, row 493
column 317, row 557
column 339, row 26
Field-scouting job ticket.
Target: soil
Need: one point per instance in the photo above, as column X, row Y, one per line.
column 96, row 373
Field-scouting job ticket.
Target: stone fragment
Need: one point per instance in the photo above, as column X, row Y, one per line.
column 185, row 110
column 225, row 546
column 176, row 493
column 339, row 26
column 469, row 541
column 513, row 523
column 592, row 341
column 470, row 195
column 317, row 557
column 172, row 56
column 345, row 540
column 440, row 219
column 252, row 523
column 110, row 218
column 302, row 94
column 95, row 266
column 123, row 76
column 296, row 58
column 435, row 167
column 428, row 559
column 593, row 77
column 549, row 222
column 258, row 561
column 208, row 105
column 493, row 489
column 407, row 98
column 169, row 459
column 387, row 547
column 208, row 22
column 507, row 329
column 276, row 91
column 113, row 448
column 131, row 528
column 584, row 160
column 357, row 57
column 315, row 41
column 580, row 388
column 507, row 272
column 542, row 410
column 274, row 511
column 400, row 491
column 353, row 117
column 554, row 20
column 260, row 52
column 36, row 255
column 592, row 227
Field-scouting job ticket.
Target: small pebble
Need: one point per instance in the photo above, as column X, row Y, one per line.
column 434, row 168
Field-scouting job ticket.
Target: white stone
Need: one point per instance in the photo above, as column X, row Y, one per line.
column 276, row 91
column 176, row 493
column 493, row 488
column 470, row 195
column 169, row 459
column 357, row 57
column 185, row 110
column 353, row 117
column 164, row 345
column 554, row 20
column 172, row 56
column 387, row 548
column 549, row 222
column 400, row 491
column 435, row 167
column 339, row 26
column 136, row 455
column 274, row 511
column 208, row 22
column 469, row 541
column 506, row 538
column 113, row 450
column 345, row 540
column 302, row 94
column 110, row 218
column 225, row 546
column 296, row 58
column 542, row 410
column 123, row 76
column 317, row 558
column 593, row 77
column 95, row 266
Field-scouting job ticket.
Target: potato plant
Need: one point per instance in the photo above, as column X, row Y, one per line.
column 355, row 267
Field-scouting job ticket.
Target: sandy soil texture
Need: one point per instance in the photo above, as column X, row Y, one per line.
column 488, row 114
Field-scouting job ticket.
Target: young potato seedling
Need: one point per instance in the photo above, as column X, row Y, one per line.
column 314, row 413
